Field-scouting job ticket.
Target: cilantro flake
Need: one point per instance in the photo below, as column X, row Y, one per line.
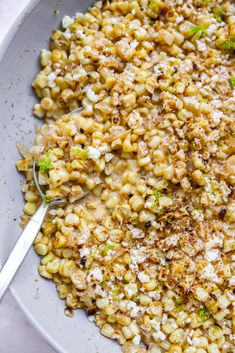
column 44, row 164
column 47, row 198
column 232, row 82
column 228, row 44
column 219, row 15
column 203, row 314
column 198, row 31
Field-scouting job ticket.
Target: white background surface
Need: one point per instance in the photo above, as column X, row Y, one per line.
column 16, row 333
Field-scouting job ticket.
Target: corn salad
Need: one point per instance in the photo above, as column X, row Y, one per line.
column 150, row 253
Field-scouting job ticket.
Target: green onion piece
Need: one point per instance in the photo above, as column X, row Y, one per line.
column 219, row 15
column 198, row 31
column 228, row 44
column 203, row 314
column 81, row 153
column 219, row 142
column 232, row 82
column 47, row 198
column 44, row 164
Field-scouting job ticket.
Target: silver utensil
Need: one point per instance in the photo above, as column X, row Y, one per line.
column 28, row 235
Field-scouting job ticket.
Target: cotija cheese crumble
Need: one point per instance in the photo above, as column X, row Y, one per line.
column 150, row 253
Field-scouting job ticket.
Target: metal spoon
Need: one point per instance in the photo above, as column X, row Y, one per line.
column 27, row 237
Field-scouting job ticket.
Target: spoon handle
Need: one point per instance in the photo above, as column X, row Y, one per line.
column 21, row 248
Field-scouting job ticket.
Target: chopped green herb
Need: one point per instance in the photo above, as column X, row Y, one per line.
column 178, row 301
column 81, row 153
column 198, row 31
column 170, row 221
column 232, row 82
column 116, row 291
column 133, row 218
column 219, row 15
column 228, row 44
column 103, row 283
column 106, row 249
column 203, row 314
column 44, row 164
column 157, row 195
column 47, row 198
column 219, row 142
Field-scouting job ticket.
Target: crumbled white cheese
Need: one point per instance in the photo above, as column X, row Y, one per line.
column 216, row 116
column 51, row 80
column 131, row 289
column 137, row 256
column 84, row 252
column 67, row 21
column 179, row 19
column 108, row 157
column 67, row 34
column 215, row 242
column 212, row 254
column 137, row 233
column 91, row 94
column 143, row 277
column 209, row 273
column 93, row 153
column 83, row 237
column 211, row 29
column 95, row 275
column 201, row 45
column 79, row 14
column 136, row 340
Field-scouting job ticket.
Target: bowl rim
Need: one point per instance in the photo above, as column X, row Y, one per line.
column 25, row 12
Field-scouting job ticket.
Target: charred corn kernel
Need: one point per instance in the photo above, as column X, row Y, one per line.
column 178, row 336
column 38, row 238
column 107, row 330
column 126, row 330
column 102, row 303
column 56, row 55
column 48, row 258
column 60, row 241
column 215, row 333
column 62, row 291
column 201, row 294
column 44, row 273
column 130, row 289
column 198, row 177
column 40, row 81
column 53, row 266
column 136, row 203
column 46, row 103
column 41, row 249
column 123, row 320
column 30, row 196
column 30, row 208
column 213, row 348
